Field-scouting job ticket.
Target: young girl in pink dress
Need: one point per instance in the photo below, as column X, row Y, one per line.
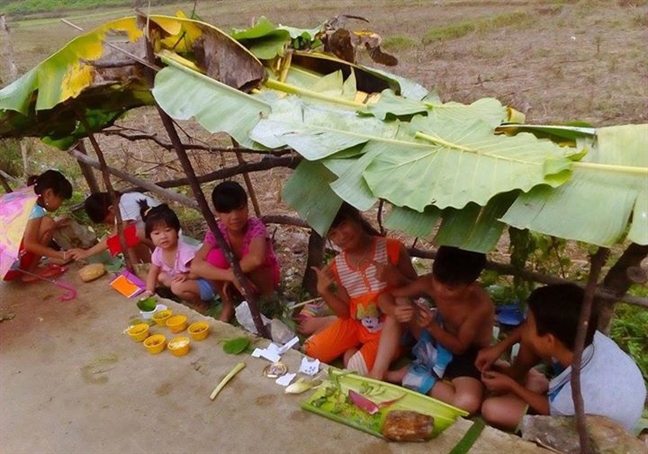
column 171, row 259
column 249, row 240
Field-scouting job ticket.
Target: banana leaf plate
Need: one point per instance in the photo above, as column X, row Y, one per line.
column 331, row 401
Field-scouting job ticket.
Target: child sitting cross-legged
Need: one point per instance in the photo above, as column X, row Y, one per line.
column 171, row 259
column 450, row 336
column 611, row 383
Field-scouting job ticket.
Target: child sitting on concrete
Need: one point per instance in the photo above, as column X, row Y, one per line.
column 100, row 210
column 249, row 241
column 611, row 383
column 450, row 337
column 171, row 259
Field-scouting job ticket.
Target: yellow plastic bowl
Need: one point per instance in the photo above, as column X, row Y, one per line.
column 138, row 332
column 155, row 344
column 160, row 318
column 179, row 346
column 177, row 323
column 199, row 330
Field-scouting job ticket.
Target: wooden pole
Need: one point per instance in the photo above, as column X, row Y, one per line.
column 596, row 263
column 167, row 122
column 248, row 182
column 111, row 193
column 145, row 185
column 619, row 279
column 248, row 294
column 85, row 168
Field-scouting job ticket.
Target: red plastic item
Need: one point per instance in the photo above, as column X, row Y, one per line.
column 130, row 234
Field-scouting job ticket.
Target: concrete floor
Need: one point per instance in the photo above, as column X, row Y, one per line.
column 72, row 382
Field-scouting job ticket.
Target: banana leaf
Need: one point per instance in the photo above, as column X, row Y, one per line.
column 608, row 192
column 216, row 106
column 91, row 78
column 330, row 401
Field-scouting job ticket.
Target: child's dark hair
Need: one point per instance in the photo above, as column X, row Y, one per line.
column 556, row 310
column 454, row 266
column 97, row 205
column 228, row 196
column 351, row 213
column 51, row 179
column 158, row 215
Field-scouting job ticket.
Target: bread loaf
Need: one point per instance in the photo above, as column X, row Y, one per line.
column 91, row 272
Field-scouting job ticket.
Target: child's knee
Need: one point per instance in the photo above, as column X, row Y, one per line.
column 468, row 402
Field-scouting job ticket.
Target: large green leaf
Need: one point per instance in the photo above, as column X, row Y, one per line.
column 316, row 131
column 414, row 223
column 475, row 228
column 265, row 40
column 88, row 77
column 608, row 189
column 308, row 192
column 216, row 106
column 463, row 162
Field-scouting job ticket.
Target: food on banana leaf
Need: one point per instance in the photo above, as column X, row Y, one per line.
column 407, row 425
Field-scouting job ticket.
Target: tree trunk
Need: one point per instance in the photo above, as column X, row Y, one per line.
column 315, row 258
column 625, row 272
column 86, row 170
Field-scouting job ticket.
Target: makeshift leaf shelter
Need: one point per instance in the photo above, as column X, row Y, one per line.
column 456, row 174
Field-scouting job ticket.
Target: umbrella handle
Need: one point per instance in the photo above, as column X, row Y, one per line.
column 71, row 291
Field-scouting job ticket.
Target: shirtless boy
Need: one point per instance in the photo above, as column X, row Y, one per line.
column 460, row 326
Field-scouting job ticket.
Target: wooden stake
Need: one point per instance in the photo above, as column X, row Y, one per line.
column 111, row 193
column 596, row 263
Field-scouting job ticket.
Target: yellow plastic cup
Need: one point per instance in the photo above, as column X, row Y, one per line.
column 138, row 332
column 199, row 330
column 177, row 323
column 155, row 344
column 179, row 346
column 160, row 318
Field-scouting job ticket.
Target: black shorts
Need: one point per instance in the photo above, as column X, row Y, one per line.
column 463, row 365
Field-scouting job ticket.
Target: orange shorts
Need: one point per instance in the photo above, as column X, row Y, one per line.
column 342, row 335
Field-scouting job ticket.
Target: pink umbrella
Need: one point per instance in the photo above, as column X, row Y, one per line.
column 15, row 208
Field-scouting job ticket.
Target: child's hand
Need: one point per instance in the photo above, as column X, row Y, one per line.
column 497, row 382
column 325, row 281
column 424, row 315
column 76, row 254
column 486, row 358
column 404, row 313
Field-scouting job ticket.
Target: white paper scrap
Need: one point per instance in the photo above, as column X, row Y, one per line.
column 285, row 379
column 267, row 354
column 288, row 345
column 309, row 367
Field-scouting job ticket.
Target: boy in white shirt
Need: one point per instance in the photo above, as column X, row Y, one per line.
column 611, row 383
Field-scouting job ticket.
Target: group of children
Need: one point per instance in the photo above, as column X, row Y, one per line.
column 371, row 288
column 377, row 303
column 194, row 275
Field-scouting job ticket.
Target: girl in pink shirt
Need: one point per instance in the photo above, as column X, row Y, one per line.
column 249, row 240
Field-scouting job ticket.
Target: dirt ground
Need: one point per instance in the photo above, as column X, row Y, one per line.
column 72, row 382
